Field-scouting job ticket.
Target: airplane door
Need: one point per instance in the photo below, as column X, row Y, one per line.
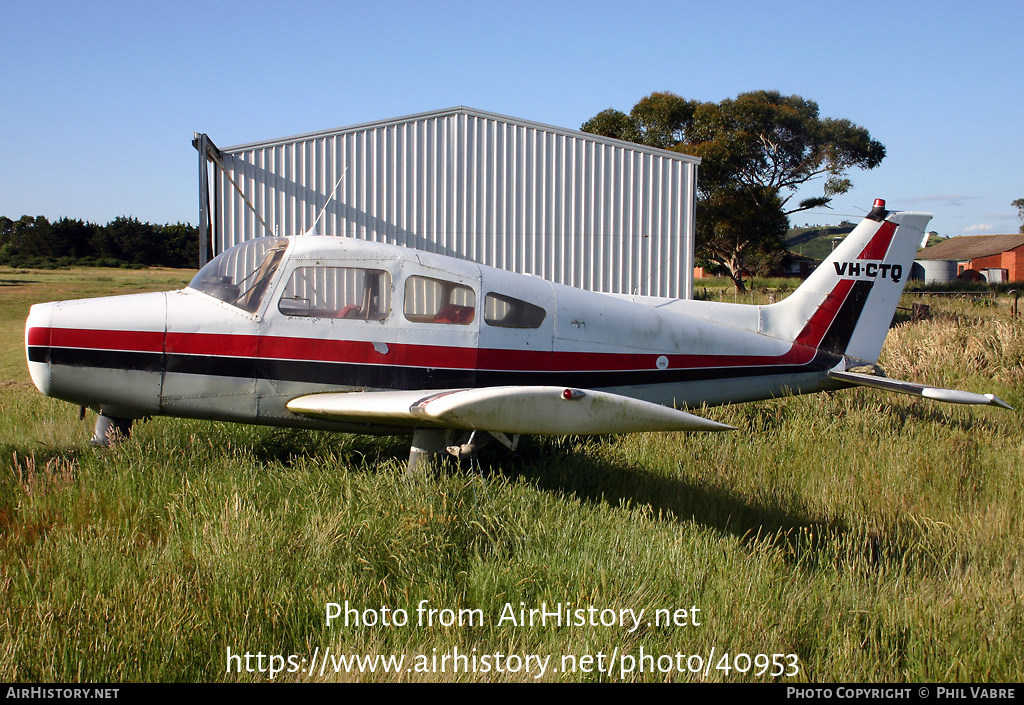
column 437, row 326
column 330, row 328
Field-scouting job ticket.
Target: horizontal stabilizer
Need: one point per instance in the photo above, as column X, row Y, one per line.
column 529, row 410
column 952, row 396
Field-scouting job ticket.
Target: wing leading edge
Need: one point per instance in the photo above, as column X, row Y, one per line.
column 524, row 410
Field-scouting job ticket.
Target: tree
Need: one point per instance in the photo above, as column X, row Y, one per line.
column 180, row 245
column 659, row 120
column 757, row 151
column 129, row 240
column 28, row 237
column 1019, row 205
column 37, row 242
column 741, row 231
column 72, row 238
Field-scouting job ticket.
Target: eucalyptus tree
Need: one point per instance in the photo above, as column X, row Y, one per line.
column 758, row 151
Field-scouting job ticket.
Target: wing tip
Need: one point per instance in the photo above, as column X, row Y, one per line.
column 996, row 401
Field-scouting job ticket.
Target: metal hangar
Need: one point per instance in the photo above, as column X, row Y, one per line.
column 571, row 207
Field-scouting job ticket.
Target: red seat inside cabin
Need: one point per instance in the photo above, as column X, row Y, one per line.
column 453, row 313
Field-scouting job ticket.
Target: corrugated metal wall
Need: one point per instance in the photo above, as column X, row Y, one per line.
column 571, row 207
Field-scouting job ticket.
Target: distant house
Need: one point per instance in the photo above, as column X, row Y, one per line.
column 795, row 265
column 991, row 258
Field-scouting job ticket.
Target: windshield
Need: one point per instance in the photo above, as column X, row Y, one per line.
column 240, row 276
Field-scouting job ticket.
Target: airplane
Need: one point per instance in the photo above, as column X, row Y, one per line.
column 349, row 335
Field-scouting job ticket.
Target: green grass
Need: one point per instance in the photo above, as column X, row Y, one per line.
column 876, row 537
column 20, row 288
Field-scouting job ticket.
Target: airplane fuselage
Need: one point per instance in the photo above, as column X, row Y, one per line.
column 349, row 335
column 308, row 314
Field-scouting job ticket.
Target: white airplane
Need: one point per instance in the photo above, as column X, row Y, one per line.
column 348, row 335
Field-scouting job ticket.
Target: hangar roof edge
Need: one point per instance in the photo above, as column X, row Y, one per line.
column 473, row 112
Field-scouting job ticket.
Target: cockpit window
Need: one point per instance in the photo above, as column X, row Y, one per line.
column 337, row 292
column 240, row 276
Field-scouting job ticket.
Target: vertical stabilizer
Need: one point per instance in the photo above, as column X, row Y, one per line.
column 846, row 305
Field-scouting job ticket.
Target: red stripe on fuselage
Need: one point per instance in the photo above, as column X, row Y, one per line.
column 213, row 344
column 131, row 340
column 399, row 354
column 532, row 360
column 38, row 337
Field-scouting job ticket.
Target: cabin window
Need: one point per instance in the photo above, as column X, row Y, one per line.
column 508, row 312
column 240, row 276
column 429, row 300
column 337, row 292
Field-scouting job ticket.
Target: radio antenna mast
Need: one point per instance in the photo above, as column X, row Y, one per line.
column 329, row 198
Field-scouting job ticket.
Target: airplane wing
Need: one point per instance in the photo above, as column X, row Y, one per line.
column 952, row 396
column 527, row 410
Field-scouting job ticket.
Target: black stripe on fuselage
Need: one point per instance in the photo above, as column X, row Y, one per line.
column 103, row 359
column 367, row 376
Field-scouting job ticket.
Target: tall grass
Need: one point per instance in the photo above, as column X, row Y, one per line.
column 876, row 537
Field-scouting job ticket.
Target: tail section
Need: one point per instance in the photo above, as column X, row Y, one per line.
column 847, row 303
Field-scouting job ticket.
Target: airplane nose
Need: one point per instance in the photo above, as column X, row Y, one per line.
column 104, row 353
column 37, row 344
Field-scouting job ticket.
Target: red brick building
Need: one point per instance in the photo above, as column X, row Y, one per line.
column 985, row 254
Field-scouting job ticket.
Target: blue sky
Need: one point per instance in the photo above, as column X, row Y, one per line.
column 100, row 99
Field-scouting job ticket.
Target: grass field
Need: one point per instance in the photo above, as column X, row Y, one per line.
column 853, row 536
